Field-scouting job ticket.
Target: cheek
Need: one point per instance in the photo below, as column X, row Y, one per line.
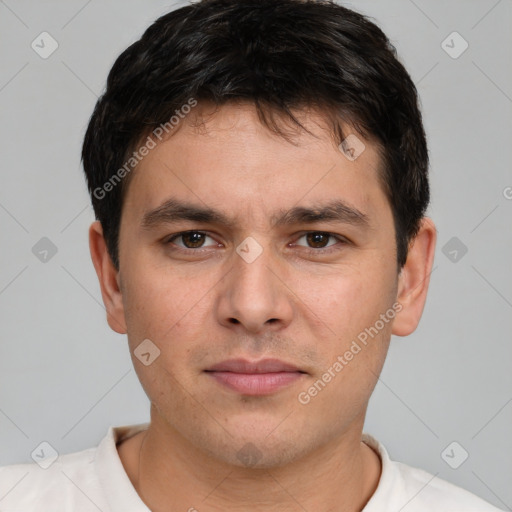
column 171, row 311
column 146, row 306
column 344, row 305
column 155, row 299
column 354, row 349
column 338, row 300
column 159, row 312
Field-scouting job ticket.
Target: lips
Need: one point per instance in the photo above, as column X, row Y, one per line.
column 263, row 366
column 255, row 378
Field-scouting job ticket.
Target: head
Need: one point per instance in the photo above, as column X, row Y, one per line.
column 284, row 139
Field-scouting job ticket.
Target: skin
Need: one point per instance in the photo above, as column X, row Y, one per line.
column 295, row 302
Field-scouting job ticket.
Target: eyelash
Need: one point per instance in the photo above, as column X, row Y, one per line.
column 321, row 250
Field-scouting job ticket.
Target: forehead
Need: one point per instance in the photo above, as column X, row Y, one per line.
column 229, row 158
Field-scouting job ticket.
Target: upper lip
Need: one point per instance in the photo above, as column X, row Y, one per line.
column 244, row 366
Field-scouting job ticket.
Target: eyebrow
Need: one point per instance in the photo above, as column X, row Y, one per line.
column 173, row 210
column 336, row 211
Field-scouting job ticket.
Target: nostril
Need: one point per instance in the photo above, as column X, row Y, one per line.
column 234, row 321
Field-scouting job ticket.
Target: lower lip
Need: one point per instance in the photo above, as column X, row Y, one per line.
column 256, row 383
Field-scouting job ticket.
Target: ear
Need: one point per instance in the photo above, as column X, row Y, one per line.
column 109, row 279
column 414, row 279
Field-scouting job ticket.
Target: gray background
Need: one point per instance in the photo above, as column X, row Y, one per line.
column 65, row 376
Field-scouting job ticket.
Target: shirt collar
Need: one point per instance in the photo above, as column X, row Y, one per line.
column 122, row 496
column 119, row 491
column 390, row 485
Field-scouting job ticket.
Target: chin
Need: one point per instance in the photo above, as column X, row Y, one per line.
column 255, row 445
column 260, row 454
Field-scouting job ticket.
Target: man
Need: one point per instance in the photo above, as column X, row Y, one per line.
column 259, row 174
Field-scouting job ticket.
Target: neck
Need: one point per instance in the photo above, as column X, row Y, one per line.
column 169, row 473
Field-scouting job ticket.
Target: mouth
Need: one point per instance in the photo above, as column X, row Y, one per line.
column 255, row 378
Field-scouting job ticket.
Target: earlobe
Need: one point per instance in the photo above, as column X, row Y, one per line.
column 108, row 277
column 414, row 279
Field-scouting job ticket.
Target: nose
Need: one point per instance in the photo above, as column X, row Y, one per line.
column 254, row 297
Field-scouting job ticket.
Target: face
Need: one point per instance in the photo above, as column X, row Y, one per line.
column 237, row 244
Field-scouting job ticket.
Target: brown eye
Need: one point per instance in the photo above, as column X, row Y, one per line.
column 321, row 242
column 193, row 239
column 318, row 239
column 190, row 239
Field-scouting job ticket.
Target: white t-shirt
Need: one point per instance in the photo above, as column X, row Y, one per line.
column 94, row 480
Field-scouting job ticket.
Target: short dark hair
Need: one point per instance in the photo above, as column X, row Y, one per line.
column 281, row 55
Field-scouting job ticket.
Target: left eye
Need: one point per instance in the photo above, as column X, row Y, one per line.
column 318, row 239
column 191, row 239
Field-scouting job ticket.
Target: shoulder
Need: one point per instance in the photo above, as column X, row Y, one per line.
column 428, row 492
column 415, row 490
column 83, row 481
column 70, row 481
